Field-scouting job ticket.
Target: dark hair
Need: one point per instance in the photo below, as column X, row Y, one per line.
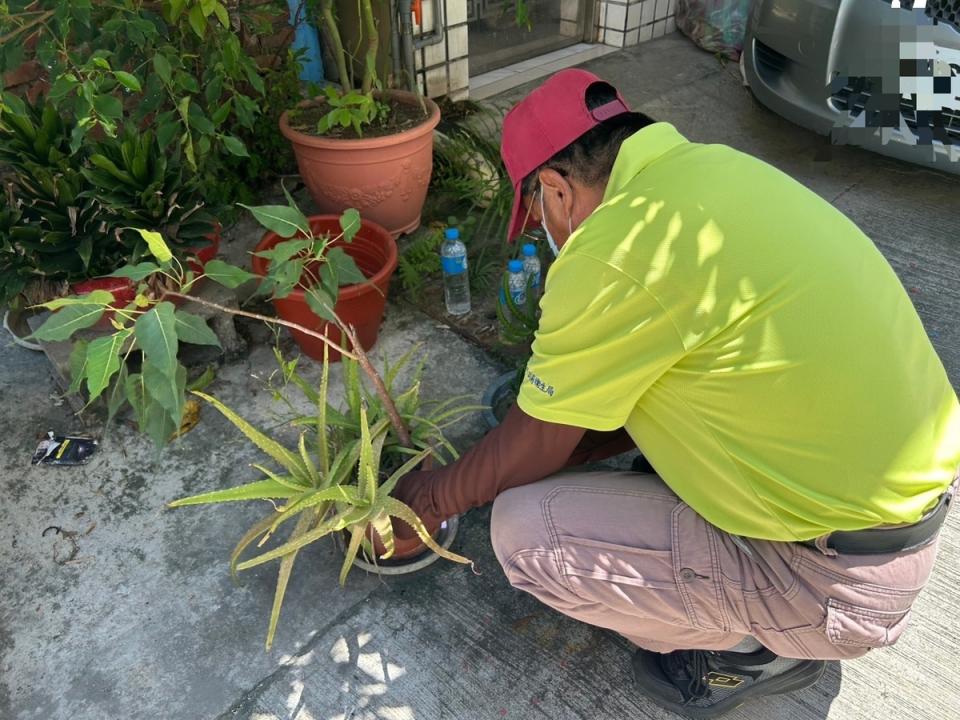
column 589, row 159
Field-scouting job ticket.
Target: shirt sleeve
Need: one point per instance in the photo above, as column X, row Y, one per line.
column 603, row 340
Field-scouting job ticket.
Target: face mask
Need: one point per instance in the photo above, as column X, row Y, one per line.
column 543, row 223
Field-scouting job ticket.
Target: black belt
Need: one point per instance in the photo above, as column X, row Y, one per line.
column 880, row 541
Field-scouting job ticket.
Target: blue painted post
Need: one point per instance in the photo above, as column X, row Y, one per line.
column 307, row 39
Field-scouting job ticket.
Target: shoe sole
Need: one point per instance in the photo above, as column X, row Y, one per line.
column 792, row 680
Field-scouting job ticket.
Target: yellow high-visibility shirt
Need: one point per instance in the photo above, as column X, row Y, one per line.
column 752, row 340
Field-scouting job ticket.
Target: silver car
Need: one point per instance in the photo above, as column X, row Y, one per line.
column 866, row 72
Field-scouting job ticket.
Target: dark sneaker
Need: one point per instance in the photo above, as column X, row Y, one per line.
column 706, row 684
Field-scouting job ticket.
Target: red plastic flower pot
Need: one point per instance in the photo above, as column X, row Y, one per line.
column 123, row 289
column 360, row 305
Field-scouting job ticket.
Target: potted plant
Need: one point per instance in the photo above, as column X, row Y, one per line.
column 340, row 475
column 360, row 146
column 69, row 214
column 321, row 268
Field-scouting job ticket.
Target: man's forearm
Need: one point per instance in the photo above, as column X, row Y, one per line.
column 519, row 451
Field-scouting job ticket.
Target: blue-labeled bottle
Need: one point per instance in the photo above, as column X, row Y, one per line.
column 531, row 267
column 517, row 282
column 456, row 283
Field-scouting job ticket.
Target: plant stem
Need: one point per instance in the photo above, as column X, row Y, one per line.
column 326, row 11
column 373, row 44
column 402, row 431
column 358, row 354
column 264, row 318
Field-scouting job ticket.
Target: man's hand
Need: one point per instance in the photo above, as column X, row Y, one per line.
column 414, row 489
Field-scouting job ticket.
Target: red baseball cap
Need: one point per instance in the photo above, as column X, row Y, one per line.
column 543, row 123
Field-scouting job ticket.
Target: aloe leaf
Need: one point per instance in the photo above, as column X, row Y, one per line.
column 397, row 509
column 255, row 531
column 286, row 480
column 390, row 373
column 323, row 435
column 334, row 524
column 381, row 523
column 390, row 483
column 283, row 577
column 271, row 447
column 259, row 490
column 312, row 474
column 356, row 537
column 338, row 493
column 367, row 484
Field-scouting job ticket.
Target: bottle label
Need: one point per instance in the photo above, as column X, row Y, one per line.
column 454, row 265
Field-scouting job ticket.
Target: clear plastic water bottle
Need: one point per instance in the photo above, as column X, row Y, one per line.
column 456, row 283
column 517, row 282
column 531, row 267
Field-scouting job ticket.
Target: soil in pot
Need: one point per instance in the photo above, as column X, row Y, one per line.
column 400, row 117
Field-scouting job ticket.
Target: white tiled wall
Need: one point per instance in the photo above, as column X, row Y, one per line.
column 442, row 69
column 622, row 23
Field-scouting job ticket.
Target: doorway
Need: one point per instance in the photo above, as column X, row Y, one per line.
column 497, row 40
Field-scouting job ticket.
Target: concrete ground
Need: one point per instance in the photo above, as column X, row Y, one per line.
column 144, row 622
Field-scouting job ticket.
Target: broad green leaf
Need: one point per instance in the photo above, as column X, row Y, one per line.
column 129, row 81
column 183, row 107
column 116, row 396
column 167, row 390
column 198, row 21
column 157, row 422
column 103, row 361
column 345, row 267
column 78, row 365
column 136, row 272
column 162, row 66
column 97, row 297
column 321, row 303
column 66, row 321
column 155, row 243
column 108, row 106
column 234, row 146
column 223, row 16
column 156, row 335
column 350, row 223
column 194, row 329
column 135, row 392
column 229, row 276
column 283, row 220
column 259, row 490
column 271, row 447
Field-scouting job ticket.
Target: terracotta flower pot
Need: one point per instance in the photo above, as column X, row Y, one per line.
column 124, row 290
column 385, row 178
column 360, row 305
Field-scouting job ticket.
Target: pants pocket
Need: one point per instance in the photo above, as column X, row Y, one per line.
column 862, row 627
column 620, row 564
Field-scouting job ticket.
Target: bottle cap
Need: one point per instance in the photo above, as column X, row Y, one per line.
column 529, row 250
column 515, row 266
column 452, row 234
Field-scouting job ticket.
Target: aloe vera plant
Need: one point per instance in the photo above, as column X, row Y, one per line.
column 340, row 476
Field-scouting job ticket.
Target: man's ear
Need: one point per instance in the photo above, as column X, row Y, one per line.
column 553, row 182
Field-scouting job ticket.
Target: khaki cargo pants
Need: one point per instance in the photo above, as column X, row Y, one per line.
column 619, row 550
